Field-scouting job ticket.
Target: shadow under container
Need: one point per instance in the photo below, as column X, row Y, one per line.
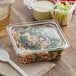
column 5, row 9
column 37, row 41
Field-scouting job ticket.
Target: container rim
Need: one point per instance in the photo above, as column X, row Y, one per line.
column 67, row 44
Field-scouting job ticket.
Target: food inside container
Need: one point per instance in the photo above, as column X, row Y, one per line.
column 5, row 9
column 63, row 12
column 37, row 41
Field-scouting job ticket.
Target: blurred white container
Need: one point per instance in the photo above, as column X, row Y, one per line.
column 40, row 8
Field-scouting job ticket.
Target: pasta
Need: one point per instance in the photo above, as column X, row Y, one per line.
column 35, row 43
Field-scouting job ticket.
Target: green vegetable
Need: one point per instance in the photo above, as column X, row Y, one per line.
column 37, row 46
column 64, row 7
column 23, row 39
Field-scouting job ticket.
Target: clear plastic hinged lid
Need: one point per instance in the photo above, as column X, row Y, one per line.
column 37, row 36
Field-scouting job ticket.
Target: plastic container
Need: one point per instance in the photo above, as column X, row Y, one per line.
column 29, row 3
column 37, row 41
column 5, row 9
column 42, row 14
column 40, row 8
column 63, row 17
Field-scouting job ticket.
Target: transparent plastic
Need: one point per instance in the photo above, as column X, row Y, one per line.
column 5, row 8
column 63, row 17
column 29, row 3
column 37, row 41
